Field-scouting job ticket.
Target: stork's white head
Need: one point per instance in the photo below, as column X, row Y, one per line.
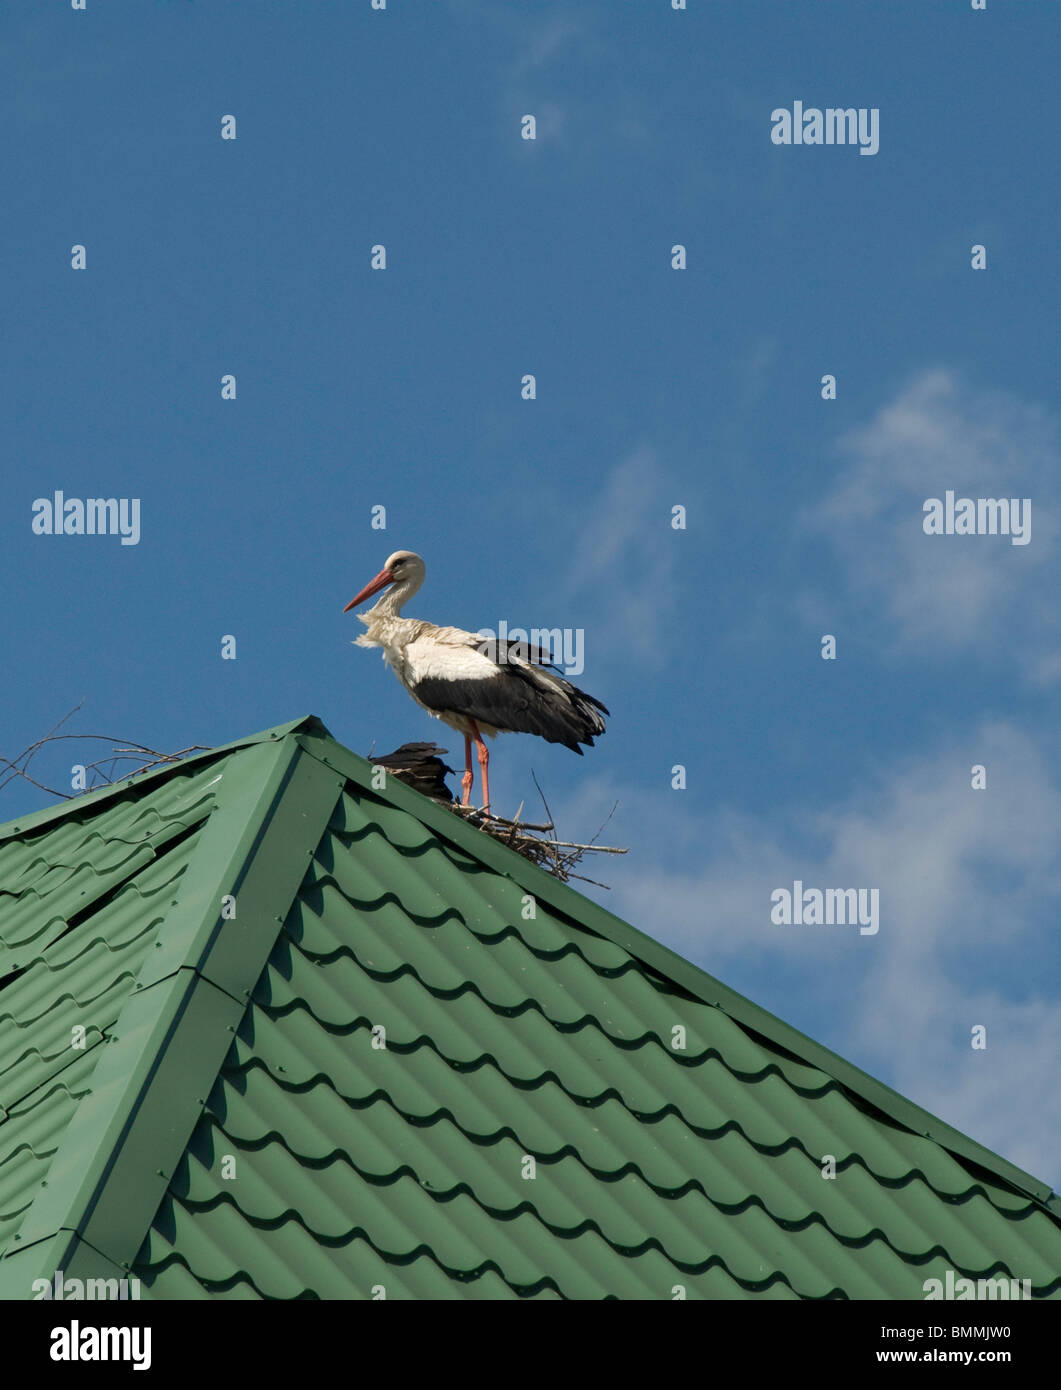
column 405, row 571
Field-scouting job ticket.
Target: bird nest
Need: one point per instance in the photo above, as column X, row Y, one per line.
column 419, row 765
column 538, row 843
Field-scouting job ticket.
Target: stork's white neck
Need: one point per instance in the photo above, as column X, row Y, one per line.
column 395, row 598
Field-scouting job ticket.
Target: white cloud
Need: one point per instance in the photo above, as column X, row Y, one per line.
column 944, row 593
column 970, row 888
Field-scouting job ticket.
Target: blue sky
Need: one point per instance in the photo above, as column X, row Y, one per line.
column 655, row 387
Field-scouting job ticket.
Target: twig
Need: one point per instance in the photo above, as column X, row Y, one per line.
column 472, row 811
column 545, row 803
column 538, row 843
column 121, row 750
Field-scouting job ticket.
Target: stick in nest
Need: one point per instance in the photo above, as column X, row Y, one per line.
column 539, row 843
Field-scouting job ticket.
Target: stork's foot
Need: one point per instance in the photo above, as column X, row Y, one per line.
column 466, row 786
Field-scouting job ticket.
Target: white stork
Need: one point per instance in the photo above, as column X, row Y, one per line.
column 475, row 685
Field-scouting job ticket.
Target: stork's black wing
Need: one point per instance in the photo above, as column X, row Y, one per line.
column 520, row 698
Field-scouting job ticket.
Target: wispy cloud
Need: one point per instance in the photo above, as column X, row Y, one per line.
column 754, row 366
column 627, row 552
column 543, row 40
column 531, row 41
column 970, row 890
column 945, row 593
column 564, row 66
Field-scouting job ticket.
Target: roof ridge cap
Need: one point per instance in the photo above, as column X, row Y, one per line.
column 24, row 825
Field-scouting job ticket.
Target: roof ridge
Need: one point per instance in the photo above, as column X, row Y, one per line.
column 176, row 1026
column 24, row 825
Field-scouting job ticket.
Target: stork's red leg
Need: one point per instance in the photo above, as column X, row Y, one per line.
column 467, row 779
column 484, row 763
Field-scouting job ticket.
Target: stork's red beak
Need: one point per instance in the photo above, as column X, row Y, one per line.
column 372, row 587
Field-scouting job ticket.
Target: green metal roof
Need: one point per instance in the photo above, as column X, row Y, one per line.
column 413, row 1062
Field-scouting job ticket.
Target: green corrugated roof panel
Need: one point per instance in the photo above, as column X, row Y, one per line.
column 413, row 1062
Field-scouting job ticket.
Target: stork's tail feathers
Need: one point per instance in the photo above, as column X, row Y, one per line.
column 574, row 716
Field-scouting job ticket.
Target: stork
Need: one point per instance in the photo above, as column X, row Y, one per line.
column 476, row 685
